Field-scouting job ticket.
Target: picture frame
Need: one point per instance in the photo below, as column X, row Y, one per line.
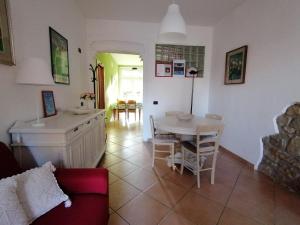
column 6, row 37
column 48, row 103
column 59, row 57
column 163, row 69
column 179, row 67
column 235, row 67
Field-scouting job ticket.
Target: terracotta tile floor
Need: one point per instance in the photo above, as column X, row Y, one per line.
column 142, row 195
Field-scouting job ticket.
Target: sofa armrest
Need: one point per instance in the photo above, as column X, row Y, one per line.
column 83, row 181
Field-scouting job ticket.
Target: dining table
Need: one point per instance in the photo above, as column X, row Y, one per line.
column 185, row 128
column 174, row 124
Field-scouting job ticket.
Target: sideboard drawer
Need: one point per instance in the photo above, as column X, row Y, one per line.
column 74, row 132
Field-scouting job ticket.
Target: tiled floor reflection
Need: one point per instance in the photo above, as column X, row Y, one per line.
column 142, row 195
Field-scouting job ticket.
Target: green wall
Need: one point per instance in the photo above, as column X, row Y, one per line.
column 110, row 81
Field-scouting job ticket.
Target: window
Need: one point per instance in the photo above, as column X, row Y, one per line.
column 131, row 83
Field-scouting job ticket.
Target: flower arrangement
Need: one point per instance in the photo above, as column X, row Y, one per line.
column 87, row 96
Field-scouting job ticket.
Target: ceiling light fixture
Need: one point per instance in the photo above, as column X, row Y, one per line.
column 173, row 25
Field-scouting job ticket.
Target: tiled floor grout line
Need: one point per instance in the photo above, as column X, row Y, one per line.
column 226, row 203
column 122, row 217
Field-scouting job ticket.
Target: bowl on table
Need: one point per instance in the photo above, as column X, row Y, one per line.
column 185, row 116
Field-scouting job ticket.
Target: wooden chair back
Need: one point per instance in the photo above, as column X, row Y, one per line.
column 121, row 104
column 131, row 104
column 213, row 116
column 208, row 138
column 173, row 113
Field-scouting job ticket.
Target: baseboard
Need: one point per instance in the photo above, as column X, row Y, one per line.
column 244, row 161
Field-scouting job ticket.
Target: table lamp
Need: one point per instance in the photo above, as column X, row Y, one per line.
column 34, row 71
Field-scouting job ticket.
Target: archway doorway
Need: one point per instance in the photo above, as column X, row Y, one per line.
column 120, row 86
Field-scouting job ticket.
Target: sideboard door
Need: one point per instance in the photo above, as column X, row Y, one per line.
column 89, row 148
column 76, row 151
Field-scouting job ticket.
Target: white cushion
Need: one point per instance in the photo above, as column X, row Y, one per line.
column 38, row 191
column 11, row 211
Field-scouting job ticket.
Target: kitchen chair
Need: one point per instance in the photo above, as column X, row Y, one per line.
column 194, row 154
column 121, row 107
column 162, row 140
column 213, row 116
column 131, row 108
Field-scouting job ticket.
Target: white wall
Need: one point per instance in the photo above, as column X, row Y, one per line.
column 171, row 93
column 271, row 29
column 30, row 23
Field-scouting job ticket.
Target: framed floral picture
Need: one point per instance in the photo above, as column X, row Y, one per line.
column 48, row 103
column 59, row 57
column 6, row 43
column 235, row 68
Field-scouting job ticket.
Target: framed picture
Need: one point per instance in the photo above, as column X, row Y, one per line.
column 59, row 57
column 179, row 67
column 48, row 103
column 235, row 68
column 6, row 43
column 163, row 69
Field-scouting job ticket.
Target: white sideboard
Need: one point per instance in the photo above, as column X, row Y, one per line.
column 67, row 140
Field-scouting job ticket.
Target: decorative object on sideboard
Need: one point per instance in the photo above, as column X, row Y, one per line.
column 281, row 159
column 192, row 73
column 235, row 68
column 59, row 57
column 6, row 37
column 34, row 71
column 48, row 103
column 87, row 100
column 173, row 26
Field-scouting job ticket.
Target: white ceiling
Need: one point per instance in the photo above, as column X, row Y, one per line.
column 127, row 59
column 195, row 12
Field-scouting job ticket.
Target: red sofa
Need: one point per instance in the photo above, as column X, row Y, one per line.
column 87, row 189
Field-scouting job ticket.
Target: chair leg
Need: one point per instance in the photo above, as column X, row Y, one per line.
column 198, row 170
column 182, row 161
column 172, row 156
column 153, row 154
column 212, row 175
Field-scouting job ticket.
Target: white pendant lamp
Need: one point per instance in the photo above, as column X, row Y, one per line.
column 173, row 25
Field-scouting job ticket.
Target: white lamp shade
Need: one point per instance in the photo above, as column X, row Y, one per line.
column 173, row 24
column 34, row 71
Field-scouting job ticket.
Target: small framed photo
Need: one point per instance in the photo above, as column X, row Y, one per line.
column 163, row 69
column 235, row 68
column 59, row 57
column 48, row 103
column 179, row 67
